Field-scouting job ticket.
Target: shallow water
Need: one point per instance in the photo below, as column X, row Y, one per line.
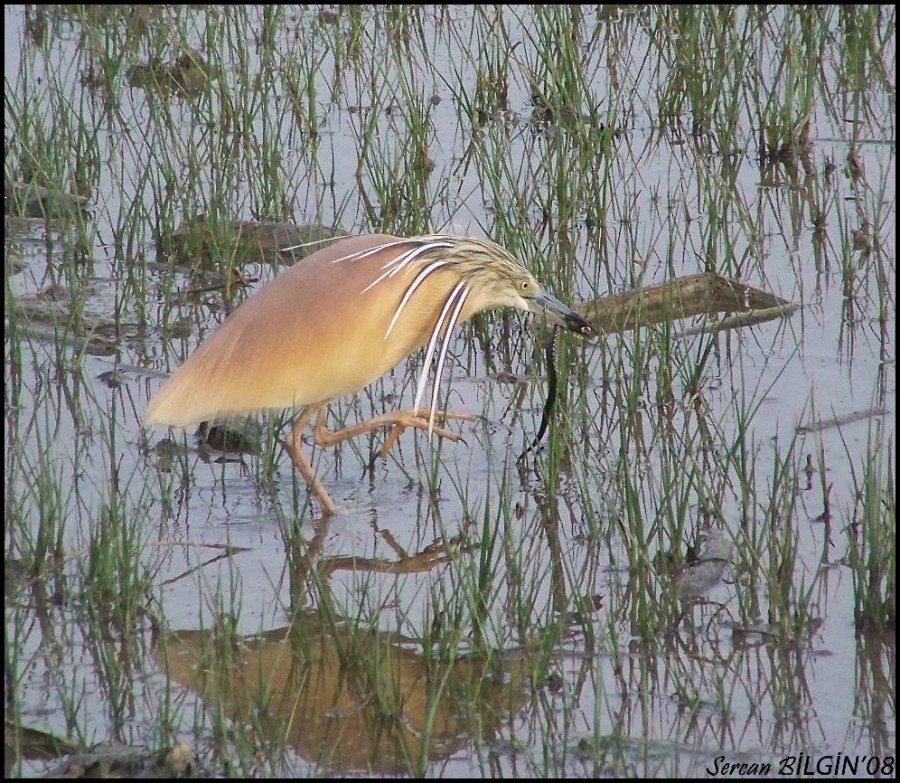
column 623, row 686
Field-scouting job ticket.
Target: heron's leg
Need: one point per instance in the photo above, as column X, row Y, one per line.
column 292, row 445
column 398, row 420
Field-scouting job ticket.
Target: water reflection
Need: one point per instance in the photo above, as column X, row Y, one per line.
column 345, row 697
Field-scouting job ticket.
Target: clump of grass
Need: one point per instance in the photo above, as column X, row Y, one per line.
column 537, row 127
column 873, row 541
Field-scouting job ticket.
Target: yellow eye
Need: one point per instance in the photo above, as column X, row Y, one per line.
column 526, row 284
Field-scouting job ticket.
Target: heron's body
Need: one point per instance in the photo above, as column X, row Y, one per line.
column 340, row 319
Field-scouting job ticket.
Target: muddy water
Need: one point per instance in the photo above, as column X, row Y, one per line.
column 718, row 685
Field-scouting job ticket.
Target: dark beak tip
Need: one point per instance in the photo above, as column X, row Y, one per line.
column 575, row 323
column 558, row 313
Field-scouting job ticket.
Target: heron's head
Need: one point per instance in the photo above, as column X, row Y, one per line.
column 498, row 279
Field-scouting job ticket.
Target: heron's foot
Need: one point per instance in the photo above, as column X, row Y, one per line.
column 398, row 420
column 419, row 419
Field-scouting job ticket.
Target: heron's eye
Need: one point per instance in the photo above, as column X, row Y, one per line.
column 526, row 285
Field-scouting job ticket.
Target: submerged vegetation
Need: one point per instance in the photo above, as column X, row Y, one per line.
column 701, row 555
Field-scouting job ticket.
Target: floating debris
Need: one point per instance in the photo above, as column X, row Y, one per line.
column 837, row 421
column 200, row 240
column 702, row 294
column 27, row 199
column 705, row 573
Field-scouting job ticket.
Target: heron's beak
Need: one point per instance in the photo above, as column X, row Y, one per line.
column 545, row 304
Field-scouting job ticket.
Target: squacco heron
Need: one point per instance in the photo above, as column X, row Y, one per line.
column 339, row 320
